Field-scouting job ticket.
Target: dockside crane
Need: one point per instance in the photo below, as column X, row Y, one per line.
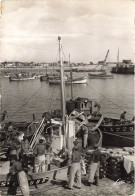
column 104, row 61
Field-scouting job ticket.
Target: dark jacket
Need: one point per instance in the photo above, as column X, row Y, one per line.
column 96, row 156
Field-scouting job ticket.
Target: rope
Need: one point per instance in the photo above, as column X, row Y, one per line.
column 109, row 99
column 118, row 135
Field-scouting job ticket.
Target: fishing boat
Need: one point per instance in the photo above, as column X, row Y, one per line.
column 64, row 132
column 116, row 133
column 56, row 80
column 103, row 75
column 7, row 74
column 124, row 67
column 81, row 80
column 21, row 78
column 37, row 182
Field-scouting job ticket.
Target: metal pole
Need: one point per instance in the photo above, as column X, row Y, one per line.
column 62, row 81
column 71, row 78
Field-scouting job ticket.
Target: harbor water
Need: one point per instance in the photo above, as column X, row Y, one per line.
column 22, row 99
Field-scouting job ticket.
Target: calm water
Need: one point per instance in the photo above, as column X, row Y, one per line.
column 22, row 99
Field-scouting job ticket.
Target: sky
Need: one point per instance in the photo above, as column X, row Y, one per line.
column 88, row 28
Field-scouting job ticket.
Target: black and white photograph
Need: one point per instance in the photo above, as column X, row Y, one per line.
column 67, row 113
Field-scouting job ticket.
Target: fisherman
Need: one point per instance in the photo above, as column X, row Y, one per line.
column 14, row 146
column 11, row 131
column 39, row 152
column 75, row 170
column 65, row 154
column 122, row 117
column 85, row 136
column 16, row 169
column 94, row 166
column 4, row 114
column 25, row 146
column 98, row 106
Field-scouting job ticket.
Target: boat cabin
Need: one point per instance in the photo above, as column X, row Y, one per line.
column 82, row 104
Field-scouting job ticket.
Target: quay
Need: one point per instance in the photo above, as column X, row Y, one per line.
column 106, row 187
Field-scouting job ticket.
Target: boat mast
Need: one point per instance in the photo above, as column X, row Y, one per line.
column 62, row 81
column 71, row 78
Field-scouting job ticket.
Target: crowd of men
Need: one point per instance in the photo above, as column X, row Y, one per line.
column 42, row 154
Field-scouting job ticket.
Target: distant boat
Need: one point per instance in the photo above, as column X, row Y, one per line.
column 82, row 80
column 7, row 75
column 23, row 78
column 56, row 80
column 124, row 67
column 103, row 75
column 49, row 77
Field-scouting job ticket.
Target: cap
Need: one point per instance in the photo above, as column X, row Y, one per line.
column 42, row 138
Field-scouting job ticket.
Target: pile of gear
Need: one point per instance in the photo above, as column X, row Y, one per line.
column 115, row 164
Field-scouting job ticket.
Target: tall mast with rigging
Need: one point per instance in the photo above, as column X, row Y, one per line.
column 71, row 78
column 62, row 81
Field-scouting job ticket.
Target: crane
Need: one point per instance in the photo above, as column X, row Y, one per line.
column 104, row 61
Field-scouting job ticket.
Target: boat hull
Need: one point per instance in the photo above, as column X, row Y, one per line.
column 122, row 70
column 37, row 182
column 81, row 81
column 118, row 135
column 21, row 78
column 94, row 76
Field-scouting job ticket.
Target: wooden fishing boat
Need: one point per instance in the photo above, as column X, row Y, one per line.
column 116, row 133
column 60, row 137
column 49, row 77
column 103, row 75
column 21, row 78
column 37, row 182
column 56, row 80
column 82, row 80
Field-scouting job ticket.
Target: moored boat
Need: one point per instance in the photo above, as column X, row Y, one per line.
column 81, row 80
column 116, row 133
column 103, row 75
column 124, row 67
column 37, row 182
column 21, row 78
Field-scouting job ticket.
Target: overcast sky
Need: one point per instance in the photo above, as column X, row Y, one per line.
column 88, row 29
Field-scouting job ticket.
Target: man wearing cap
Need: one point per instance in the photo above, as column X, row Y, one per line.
column 16, row 169
column 25, row 146
column 85, row 135
column 75, row 169
column 122, row 117
column 39, row 152
column 94, row 166
column 66, row 156
column 98, row 107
